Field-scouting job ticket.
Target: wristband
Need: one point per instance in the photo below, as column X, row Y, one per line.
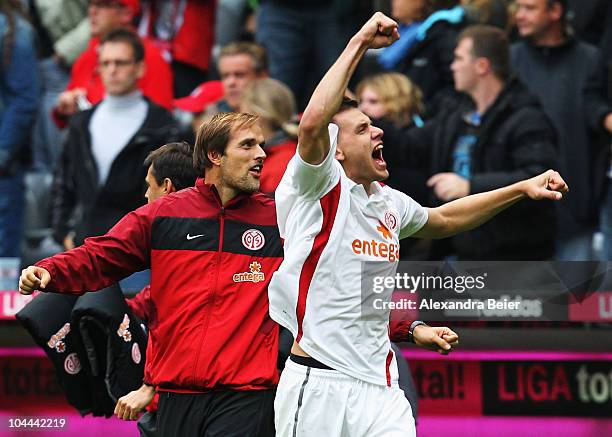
column 413, row 325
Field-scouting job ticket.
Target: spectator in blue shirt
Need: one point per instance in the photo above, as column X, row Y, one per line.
column 19, row 96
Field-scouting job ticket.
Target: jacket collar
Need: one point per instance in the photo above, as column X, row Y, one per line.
column 210, row 193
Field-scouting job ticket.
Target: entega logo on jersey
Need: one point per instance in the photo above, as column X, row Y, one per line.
column 378, row 249
column 255, row 275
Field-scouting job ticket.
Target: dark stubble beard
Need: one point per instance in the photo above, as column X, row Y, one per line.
column 244, row 184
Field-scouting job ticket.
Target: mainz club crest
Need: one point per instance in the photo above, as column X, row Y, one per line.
column 136, row 356
column 253, row 239
column 390, row 221
column 72, row 365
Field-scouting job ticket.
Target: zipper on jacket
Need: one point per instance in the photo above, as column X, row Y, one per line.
column 213, row 293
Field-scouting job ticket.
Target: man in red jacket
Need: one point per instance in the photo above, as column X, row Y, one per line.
column 85, row 86
column 212, row 250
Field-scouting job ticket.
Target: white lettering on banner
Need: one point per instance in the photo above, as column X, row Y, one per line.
column 595, row 387
column 11, row 302
column 605, row 313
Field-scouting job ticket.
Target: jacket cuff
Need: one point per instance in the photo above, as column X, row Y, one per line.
column 48, row 266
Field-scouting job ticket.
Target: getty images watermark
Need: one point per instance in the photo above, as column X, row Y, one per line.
column 501, row 291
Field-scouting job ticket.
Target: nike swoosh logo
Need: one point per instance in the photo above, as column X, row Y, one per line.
column 191, row 237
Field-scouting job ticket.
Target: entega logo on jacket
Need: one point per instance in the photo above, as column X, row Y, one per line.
column 255, row 275
column 55, row 342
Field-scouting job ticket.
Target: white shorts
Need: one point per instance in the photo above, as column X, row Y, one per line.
column 316, row 402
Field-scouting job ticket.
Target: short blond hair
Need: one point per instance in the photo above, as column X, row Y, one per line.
column 255, row 51
column 273, row 101
column 401, row 98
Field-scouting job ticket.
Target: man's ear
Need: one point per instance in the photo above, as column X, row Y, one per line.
column 339, row 154
column 483, row 66
column 556, row 11
column 141, row 69
column 168, row 186
column 214, row 157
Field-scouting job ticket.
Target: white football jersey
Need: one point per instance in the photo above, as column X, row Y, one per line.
column 330, row 227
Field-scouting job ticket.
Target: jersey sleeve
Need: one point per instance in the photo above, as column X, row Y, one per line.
column 314, row 181
column 413, row 216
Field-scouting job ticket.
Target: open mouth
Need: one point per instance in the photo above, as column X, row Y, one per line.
column 256, row 170
column 377, row 156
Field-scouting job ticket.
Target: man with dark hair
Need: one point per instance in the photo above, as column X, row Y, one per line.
column 334, row 216
column 567, row 75
column 492, row 134
column 169, row 169
column 100, row 169
column 212, row 250
column 128, row 37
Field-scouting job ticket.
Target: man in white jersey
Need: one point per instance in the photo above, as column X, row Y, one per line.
column 334, row 215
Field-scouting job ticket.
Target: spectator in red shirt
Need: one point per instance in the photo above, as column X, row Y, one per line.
column 274, row 102
column 184, row 30
column 85, row 86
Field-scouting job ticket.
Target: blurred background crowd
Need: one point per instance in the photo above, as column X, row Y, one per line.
column 90, row 87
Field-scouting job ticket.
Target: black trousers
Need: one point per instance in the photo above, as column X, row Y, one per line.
column 222, row 413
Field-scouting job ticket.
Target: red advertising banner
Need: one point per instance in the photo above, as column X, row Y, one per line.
column 499, row 383
column 597, row 307
column 11, row 302
column 28, row 384
column 442, row 386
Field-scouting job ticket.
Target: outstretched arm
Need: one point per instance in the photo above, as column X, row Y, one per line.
column 472, row 211
column 378, row 31
column 98, row 263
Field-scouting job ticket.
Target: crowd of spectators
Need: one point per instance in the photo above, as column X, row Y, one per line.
column 476, row 94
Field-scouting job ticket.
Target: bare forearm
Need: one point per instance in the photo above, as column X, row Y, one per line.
column 472, row 211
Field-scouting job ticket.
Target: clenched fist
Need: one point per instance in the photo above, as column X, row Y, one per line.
column 379, row 31
column 33, row 278
column 129, row 406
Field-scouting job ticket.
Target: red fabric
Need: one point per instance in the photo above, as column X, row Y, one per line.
column 211, row 331
column 132, row 5
column 275, row 164
column 193, row 40
column 141, row 304
column 388, row 366
column 329, row 205
column 156, row 84
column 398, row 330
column 200, row 98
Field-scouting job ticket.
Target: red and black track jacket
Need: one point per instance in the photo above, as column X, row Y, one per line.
column 210, row 267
